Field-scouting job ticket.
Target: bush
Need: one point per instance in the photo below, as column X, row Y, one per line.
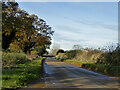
column 72, row 53
column 12, row 59
column 84, row 55
column 109, row 58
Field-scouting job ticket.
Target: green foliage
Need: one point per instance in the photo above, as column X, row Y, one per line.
column 41, row 50
column 72, row 53
column 110, row 58
column 12, row 59
column 22, row 74
column 107, row 69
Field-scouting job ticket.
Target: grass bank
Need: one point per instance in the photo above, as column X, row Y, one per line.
column 22, row 74
column 111, row 70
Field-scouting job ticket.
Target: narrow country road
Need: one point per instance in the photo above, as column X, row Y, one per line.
column 62, row 75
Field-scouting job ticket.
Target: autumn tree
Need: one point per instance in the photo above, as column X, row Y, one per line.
column 34, row 33
column 10, row 22
column 22, row 30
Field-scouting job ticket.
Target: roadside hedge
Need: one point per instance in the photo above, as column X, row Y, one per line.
column 12, row 59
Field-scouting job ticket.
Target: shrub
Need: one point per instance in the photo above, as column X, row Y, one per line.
column 11, row 59
column 109, row 58
column 72, row 53
column 84, row 55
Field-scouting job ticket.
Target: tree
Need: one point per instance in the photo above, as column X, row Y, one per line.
column 41, row 50
column 60, row 51
column 35, row 33
column 10, row 23
column 77, row 47
column 25, row 31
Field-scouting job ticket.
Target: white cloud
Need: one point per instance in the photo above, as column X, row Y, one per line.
column 87, row 36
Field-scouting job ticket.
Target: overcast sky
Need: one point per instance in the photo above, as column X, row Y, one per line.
column 88, row 24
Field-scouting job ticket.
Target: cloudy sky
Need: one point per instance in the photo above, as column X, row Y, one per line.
column 89, row 24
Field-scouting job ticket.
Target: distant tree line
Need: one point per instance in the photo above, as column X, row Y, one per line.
column 22, row 31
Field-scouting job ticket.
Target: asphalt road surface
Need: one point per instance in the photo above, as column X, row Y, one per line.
column 62, row 75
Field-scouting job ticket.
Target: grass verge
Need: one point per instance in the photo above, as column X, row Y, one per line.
column 22, row 74
column 105, row 69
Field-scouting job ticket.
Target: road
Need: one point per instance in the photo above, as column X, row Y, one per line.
column 62, row 75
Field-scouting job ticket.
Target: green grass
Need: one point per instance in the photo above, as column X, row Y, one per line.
column 105, row 69
column 77, row 62
column 22, row 74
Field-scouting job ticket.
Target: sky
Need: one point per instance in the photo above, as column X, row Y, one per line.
column 88, row 24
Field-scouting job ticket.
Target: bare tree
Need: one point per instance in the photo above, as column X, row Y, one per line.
column 109, row 47
column 77, row 47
